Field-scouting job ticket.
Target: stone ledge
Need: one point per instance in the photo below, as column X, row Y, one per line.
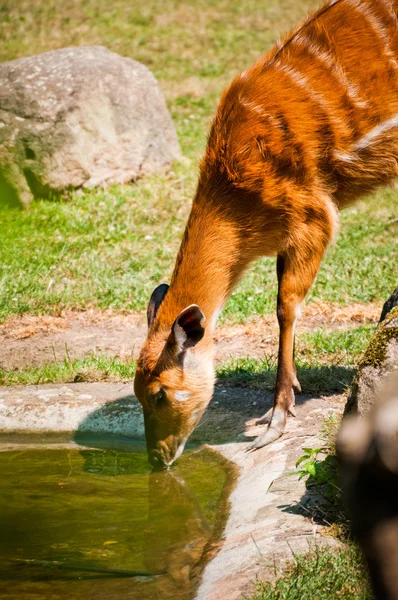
column 265, row 524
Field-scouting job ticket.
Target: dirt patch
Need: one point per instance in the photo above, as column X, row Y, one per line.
column 24, row 326
column 260, row 336
column 32, row 340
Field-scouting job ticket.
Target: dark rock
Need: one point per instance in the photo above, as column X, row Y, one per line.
column 367, row 450
column 378, row 361
column 389, row 304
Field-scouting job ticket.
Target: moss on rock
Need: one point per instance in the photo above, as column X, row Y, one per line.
column 378, row 360
column 375, row 352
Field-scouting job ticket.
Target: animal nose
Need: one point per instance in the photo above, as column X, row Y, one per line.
column 156, row 460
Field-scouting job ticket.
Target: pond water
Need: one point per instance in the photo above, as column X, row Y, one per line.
column 79, row 523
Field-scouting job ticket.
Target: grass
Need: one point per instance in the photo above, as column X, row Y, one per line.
column 109, row 248
column 314, row 379
column 101, row 249
column 91, row 368
column 320, row 575
column 188, row 44
column 325, row 363
column 339, row 347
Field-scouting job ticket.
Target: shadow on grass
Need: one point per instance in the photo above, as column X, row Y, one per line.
column 325, row 380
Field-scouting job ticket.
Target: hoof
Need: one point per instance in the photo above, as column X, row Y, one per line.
column 297, row 386
column 274, row 431
column 269, row 436
column 265, row 419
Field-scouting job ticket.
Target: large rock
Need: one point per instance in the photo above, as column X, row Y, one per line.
column 380, row 359
column 79, row 117
column 367, row 451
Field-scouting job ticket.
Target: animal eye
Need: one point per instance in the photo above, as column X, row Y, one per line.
column 159, row 397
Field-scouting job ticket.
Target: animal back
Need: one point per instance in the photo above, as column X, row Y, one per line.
column 321, row 109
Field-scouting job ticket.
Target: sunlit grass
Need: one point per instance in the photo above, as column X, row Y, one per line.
column 108, row 249
column 320, row 575
column 325, row 362
column 92, row 368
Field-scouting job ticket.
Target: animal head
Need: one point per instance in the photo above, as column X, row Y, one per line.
column 174, row 381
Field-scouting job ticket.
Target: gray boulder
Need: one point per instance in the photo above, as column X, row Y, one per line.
column 379, row 360
column 79, row 117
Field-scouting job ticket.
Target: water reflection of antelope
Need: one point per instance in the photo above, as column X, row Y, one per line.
column 309, row 128
column 180, row 527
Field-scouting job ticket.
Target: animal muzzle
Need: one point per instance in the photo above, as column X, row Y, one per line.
column 163, row 446
column 157, row 460
column 163, row 456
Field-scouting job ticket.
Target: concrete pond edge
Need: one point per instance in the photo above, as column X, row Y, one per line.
column 267, row 522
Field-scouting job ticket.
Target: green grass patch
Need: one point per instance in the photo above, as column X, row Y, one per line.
column 92, row 368
column 256, row 374
column 325, row 362
column 320, row 575
column 109, row 249
column 342, row 346
column 106, row 248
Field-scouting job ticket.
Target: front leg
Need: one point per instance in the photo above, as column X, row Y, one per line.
column 266, row 419
column 295, row 277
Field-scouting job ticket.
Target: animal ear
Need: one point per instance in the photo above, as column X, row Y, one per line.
column 155, row 301
column 187, row 329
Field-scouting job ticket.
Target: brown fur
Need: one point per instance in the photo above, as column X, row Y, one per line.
column 286, row 150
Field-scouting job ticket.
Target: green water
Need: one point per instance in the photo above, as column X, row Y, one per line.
column 103, row 511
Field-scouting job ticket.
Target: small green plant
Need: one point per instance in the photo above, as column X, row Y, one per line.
column 320, row 470
column 319, row 465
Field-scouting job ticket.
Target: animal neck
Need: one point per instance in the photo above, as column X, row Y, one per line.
column 210, row 261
